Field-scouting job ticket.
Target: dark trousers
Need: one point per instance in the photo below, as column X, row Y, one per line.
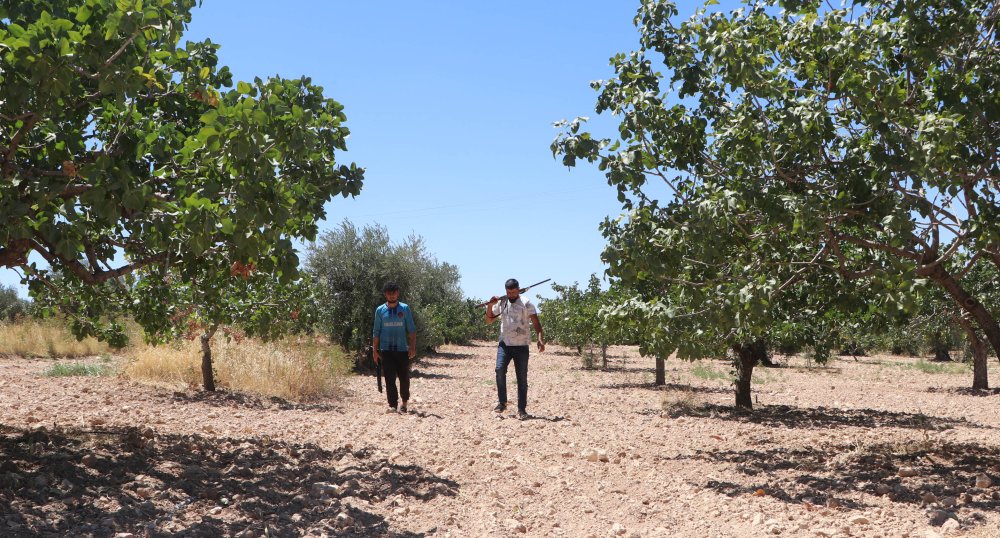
column 396, row 364
column 519, row 354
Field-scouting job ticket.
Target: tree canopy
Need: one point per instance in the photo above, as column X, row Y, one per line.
column 349, row 266
column 123, row 151
column 852, row 147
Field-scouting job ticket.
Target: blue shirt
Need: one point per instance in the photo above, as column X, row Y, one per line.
column 392, row 325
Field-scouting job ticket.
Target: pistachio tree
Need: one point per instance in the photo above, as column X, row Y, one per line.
column 125, row 155
column 850, row 147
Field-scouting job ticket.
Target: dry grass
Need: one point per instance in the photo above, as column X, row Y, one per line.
column 680, row 402
column 299, row 369
column 45, row 338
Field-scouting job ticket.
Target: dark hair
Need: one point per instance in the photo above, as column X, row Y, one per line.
column 511, row 284
column 390, row 286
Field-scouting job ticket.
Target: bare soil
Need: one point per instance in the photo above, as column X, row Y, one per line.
column 866, row 447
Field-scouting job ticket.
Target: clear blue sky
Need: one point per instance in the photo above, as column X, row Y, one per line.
column 450, row 105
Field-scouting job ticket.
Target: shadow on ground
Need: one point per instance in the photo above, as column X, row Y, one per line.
column 99, row 483
column 421, row 374
column 826, row 417
column 448, row 355
column 680, row 387
column 823, row 476
column 224, row 398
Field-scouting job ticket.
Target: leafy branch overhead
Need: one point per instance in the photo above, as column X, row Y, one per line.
column 122, row 149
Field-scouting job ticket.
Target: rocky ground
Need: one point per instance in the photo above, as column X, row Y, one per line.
column 866, row 447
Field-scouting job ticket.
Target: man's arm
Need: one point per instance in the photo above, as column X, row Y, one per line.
column 538, row 329
column 490, row 316
column 412, row 348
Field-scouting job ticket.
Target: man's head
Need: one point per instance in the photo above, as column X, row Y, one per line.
column 513, row 288
column 391, row 292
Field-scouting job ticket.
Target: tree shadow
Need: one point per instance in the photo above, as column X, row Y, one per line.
column 965, row 391
column 99, row 483
column 814, row 476
column 651, row 385
column 225, row 398
column 449, row 355
column 428, row 364
column 420, row 374
column 826, row 417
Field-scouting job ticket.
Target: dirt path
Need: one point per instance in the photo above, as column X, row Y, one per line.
column 605, row 454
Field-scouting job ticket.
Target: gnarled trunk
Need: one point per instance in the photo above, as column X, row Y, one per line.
column 967, row 303
column 980, row 374
column 207, row 376
column 744, row 361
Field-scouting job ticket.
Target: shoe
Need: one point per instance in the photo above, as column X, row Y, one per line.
column 402, row 408
column 500, row 408
column 523, row 415
column 390, row 409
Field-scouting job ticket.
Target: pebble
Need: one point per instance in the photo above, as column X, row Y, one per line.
column 983, row 481
column 494, row 453
column 594, row 454
column 906, row 472
column 618, row 529
column 859, row 520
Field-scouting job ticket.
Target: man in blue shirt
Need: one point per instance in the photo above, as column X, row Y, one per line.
column 394, row 343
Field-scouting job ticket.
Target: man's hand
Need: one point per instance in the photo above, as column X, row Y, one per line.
column 541, row 346
column 412, row 353
column 493, row 300
column 376, row 356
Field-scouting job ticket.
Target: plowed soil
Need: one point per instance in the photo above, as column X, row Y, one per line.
column 867, row 446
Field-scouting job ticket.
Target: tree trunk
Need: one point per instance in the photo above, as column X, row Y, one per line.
column 969, row 304
column 604, row 356
column 207, row 376
column 661, row 371
column 940, row 346
column 747, row 356
column 980, row 374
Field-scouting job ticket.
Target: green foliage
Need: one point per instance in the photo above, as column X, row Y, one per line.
column 349, row 267
column 821, row 166
column 12, row 306
column 454, row 323
column 937, row 367
column 76, row 369
column 575, row 319
column 137, row 171
column 709, row 373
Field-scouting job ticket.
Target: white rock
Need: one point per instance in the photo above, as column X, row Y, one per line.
column 859, row 520
column 950, row 526
column 594, row 454
column 983, row 481
column 494, row 453
column 618, row 529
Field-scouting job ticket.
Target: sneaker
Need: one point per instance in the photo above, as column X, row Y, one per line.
column 500, row 408
column 523, row 415
column 390, row 409
column 402, row 408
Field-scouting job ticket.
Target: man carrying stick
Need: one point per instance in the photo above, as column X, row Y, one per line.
column 515, row 340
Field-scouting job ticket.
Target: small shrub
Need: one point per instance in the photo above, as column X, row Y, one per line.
column 937, row 368
column 680, row 402
column 60, row 369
